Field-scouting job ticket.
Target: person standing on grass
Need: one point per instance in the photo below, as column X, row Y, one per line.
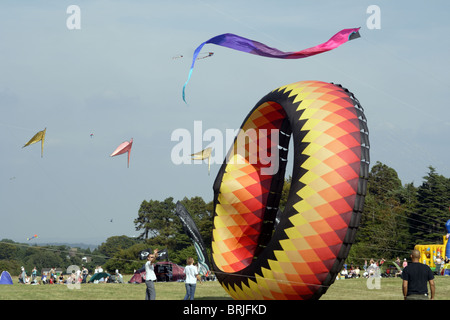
column 191, row 278
column 416, row 277
column 33, row 275
column 23, row 275
column 150, row 276
column 85, row 273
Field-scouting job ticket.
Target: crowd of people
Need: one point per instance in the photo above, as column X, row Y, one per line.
column 78, row 276
column 373, row 268
column 53, row 276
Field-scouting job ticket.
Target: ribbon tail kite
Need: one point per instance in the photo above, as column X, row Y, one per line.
column 191, row 230
column 40, row 136
column 206, row 153
column 205, row 55
column 35, row 236
column 123, row 148
column 239, row 43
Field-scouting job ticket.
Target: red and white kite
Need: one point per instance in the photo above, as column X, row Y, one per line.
column 122, row 148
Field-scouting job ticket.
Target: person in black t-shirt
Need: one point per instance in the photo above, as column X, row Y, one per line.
column 416, row 277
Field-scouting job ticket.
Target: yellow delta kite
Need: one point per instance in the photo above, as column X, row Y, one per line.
column 205, row 153
column 40, row 136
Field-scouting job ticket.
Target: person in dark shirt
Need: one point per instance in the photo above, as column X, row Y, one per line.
column 416, row 277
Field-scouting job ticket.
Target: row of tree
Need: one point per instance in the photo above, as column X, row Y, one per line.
column 160, row 227
column 396, row 217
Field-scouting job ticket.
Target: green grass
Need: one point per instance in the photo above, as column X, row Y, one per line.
column 348, row 289
column 210, row 290
column 390, row 289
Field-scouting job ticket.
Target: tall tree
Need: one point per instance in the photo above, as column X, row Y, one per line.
column 383, row 228
column 158, row 222
column 114, row 244
column 433, row 199
column 155, row 218
column 383, row 181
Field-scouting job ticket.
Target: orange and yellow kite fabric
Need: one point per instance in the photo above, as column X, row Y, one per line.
column 299, row 257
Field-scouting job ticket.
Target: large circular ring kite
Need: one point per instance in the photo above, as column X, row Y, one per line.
column 261, row 252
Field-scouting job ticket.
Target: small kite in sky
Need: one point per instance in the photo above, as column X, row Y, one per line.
column 35, row 236
column 204, row 55
column 123, row 148
column 239, row 43
column 40, row 136
column 204, row 154
column 201, row 55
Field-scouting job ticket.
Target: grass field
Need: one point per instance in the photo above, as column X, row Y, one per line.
column 343, row 290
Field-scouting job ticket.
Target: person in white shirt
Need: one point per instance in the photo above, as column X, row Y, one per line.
column 191, row 278
column 150, row 276
column 78, row 275
column 119, row 277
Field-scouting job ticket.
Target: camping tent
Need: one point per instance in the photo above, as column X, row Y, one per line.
column 98, row 276
column 5, row 278
column 138, row 277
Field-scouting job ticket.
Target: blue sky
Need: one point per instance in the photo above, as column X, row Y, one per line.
column 115, row 78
